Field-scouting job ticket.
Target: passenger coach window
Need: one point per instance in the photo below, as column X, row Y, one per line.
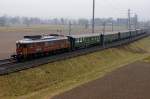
column 77, row 40
column 80, row 40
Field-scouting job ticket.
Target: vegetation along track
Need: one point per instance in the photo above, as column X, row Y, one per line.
column 7, row 66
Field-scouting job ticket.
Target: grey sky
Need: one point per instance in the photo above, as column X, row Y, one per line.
column 74, row 8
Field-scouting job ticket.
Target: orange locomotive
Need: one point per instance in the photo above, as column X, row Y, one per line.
column 37, row 46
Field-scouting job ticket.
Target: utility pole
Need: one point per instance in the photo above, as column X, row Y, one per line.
column 104, row 27
column 70, row 27
column 118, row 25
column 129, row 19
column 93, row 20
column 112, row 26
column 135, row 21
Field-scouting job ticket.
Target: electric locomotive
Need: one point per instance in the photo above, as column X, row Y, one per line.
column 31, row 47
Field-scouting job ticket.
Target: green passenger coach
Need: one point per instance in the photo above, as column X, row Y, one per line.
column 88, row 40
column 83, row 41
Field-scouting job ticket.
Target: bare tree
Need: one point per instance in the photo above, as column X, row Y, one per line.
column 26, row 21
column 3, row 21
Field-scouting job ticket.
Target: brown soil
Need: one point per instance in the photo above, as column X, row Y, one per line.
column 7, row 43
column 129, row 82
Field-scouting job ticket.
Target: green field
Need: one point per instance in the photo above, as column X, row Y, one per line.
column 56, row 29
column 51, row 79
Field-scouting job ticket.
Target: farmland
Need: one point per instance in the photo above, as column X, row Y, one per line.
column 56, row 29
column 53, row 78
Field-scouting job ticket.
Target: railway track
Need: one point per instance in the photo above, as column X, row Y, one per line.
column 7, row 66
column 5, row 62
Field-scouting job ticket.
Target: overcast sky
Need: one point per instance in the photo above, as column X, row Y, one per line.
column 74, row 8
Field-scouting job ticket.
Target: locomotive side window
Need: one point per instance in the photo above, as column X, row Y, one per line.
column 30, row 45
column 49, row 43
column 40, row 44
column 46, row 43
column 21, row 45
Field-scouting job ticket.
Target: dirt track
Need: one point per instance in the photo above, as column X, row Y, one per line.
column 129, row 82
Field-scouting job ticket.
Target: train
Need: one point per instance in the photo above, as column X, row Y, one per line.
column 31, row 47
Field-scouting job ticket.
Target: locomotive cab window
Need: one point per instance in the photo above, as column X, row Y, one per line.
column 18, row 45
column 21, row 45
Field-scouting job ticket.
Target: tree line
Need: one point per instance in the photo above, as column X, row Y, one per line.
column 27, row 21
